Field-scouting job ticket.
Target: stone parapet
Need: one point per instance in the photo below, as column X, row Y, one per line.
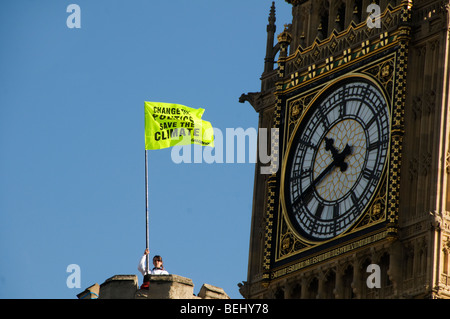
column 212, row 292
column 119, row 287
column 167, row 287
column 160, row 287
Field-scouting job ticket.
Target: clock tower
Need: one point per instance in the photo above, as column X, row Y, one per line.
column 357, row 204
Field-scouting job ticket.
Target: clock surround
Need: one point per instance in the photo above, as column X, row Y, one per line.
column 336, row 158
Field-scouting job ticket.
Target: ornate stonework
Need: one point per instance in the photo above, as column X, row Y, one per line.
column 405, row 229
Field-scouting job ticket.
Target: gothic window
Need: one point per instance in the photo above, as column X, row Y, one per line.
column 340, row 18
column 347, row 290
column 384, row 267
column 423, row 260
column 323, row 20
column 364, row 289
column 330, row 284
column 446, row 255
column 445, row 270
column 409, row 264
column 357, row 11
column 313, row 288
column 296, row 292
column 279, row 293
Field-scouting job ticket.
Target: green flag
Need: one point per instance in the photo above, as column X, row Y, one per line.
column 167, row 125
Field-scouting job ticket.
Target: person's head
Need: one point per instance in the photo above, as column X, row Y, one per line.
column 157, row 261
column 147, row 278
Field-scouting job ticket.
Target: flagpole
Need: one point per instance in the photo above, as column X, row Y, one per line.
column 146, row 209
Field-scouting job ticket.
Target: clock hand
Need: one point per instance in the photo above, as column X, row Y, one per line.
column 338, row 161
column 338, row 157
column 307, row 192
column 329, row 146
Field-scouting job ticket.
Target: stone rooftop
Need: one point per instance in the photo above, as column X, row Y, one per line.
column 161, row 287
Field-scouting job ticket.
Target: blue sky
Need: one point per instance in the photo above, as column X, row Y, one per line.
column 72, row 139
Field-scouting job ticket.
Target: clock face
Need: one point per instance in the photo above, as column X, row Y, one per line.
column 336, row 159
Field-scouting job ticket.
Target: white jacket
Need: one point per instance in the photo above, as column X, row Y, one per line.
column 155, row 271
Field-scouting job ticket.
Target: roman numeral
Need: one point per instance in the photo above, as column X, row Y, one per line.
column 343, row 109
column 354, row 198
column 367, row 174
column 335, row 211
column 378, row 144
column 373, row 146
column 369, row 124
column 307, row 144
column 323, row 118
column 319, row 210
column 307, row 198
column 304, row 173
